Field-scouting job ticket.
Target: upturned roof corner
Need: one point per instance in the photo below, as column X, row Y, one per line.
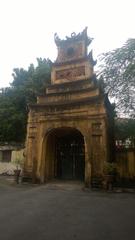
column 82, row 36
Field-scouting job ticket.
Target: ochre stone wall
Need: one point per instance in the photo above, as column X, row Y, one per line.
column 74, row 102
column 92, row 128
column 71, row 72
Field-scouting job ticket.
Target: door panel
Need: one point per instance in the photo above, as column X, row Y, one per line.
column 70, row 158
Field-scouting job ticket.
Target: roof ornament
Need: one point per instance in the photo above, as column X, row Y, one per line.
column 73, row 34
column 74, row 37
column 90, row 57
column 56, row 38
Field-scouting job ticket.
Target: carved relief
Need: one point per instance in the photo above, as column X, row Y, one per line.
column 32, row 132
column 70, row 73
column 96, row 126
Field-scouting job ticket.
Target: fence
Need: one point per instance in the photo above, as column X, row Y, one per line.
column 125, row 159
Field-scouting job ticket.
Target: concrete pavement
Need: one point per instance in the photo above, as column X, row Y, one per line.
column 64, row 212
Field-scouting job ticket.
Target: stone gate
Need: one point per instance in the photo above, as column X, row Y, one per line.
column 69, row 127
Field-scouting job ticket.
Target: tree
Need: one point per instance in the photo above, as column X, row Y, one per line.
column 34, row 80
column 117, row 70
column 26, row 85
column 125, row 129
column 12, row 116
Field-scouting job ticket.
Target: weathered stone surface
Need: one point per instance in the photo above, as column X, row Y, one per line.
column 73, row 105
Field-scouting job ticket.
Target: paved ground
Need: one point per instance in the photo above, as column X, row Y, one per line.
column 64, row 212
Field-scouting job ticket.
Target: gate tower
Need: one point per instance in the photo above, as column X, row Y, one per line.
column 68, row 128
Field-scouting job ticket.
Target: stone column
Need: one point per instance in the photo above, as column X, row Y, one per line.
column 87, row 161
column 42, row 163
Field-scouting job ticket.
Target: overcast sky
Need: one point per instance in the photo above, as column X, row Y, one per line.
column 27, row 28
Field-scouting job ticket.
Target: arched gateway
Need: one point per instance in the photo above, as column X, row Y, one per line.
column 64, row 157
column 69, row 127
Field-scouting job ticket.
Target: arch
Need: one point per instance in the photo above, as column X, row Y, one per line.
column 64, row 154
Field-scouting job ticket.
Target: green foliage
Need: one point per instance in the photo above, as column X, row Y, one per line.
column 12, row 115
column 109, row 168
column 117, row 69
column 26, row 85
column 125, row 129
column 33, row 81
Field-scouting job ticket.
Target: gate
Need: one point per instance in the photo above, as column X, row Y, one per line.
column 70, row 158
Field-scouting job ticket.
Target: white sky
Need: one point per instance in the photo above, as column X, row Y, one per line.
column 27, row 28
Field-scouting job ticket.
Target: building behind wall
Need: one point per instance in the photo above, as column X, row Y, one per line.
column 9, row 153
column 69, row 127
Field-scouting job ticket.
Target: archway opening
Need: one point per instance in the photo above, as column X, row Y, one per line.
column 65, row 154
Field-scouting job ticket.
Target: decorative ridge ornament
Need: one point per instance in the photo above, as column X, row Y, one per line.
column 90, row 57
column 74, row 37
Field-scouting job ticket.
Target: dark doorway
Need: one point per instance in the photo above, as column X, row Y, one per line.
column 70, row 155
